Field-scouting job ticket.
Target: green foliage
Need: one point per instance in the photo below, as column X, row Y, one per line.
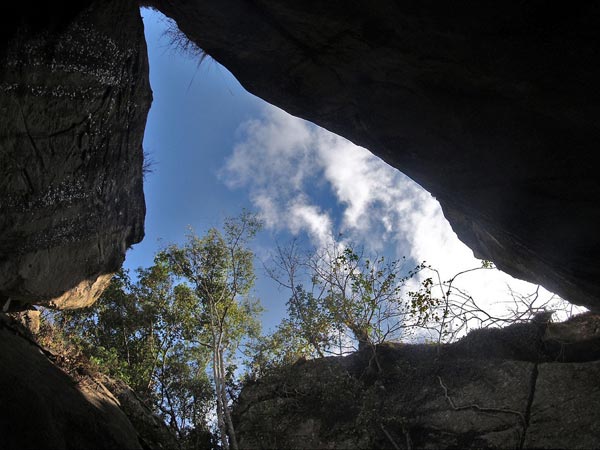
column 139, row 332
column 350, row 294
column 423, row 304
column 485, row 264
column 285, row 346
column 161, row 332
column 219, row 269
column 365, row 295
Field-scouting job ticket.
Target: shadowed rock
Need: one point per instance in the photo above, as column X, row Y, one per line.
column 74, row 95
column 43, row 408
column 496, row 388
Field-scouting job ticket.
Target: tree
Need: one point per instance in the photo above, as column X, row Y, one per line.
column 219, row 268
column 455, row 312
column 188, row 312
column 137, row 332
column 283, row 347
column 365, row 295
column 349, row 293
column 308, row 323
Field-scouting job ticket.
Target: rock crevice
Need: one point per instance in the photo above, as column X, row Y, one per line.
column 527, row 416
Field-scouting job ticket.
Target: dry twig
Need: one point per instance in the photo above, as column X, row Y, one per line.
column 477, row 407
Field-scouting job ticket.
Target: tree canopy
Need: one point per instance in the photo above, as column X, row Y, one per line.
column 172, row 332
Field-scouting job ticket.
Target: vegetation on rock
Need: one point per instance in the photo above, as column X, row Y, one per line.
column 176, row 331
column 162, row 329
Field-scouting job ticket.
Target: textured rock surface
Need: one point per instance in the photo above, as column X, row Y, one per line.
column 491, row 107
column 74, row 95
column 56, row 399
column 469, row 395
column 43, row 408
column 564, row 413
column 152, row 432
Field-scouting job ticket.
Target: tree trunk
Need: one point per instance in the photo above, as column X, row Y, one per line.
column 361, row 335
column 228, row 421
column 220, row 406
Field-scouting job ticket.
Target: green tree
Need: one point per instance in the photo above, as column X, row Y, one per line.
column 283, row 347
column 365, row 295
column 137, row 332
column 349, row 293
column 219, row 269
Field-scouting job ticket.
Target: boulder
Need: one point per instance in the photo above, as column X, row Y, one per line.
column 74, row 95
column 496, row 388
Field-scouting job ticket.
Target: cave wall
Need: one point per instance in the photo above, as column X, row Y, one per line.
column 56, row 399
column 493, row 108
column 41, row 407
column 74, row 95
column 530, row 385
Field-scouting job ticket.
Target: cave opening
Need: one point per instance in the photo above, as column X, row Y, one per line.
column 477, row 103
column 218, row 149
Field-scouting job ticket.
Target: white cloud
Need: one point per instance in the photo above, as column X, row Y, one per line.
column 317, row 224
column 287, row 164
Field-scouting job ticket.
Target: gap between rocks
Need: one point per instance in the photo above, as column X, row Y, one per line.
column 533, row 382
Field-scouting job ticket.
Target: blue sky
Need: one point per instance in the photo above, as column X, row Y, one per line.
column 218, row 149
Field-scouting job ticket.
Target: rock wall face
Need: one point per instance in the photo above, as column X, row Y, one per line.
column 508, row 388
column 74, row 95
column 493, row 108
column 56, row 399
column 43, row 408
column 152, row 431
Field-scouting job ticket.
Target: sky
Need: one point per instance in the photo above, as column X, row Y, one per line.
column 217, row 149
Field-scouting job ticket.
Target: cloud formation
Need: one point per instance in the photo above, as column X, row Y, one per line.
column 304, row 179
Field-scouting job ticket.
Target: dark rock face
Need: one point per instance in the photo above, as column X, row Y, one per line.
column 74, row 95
column 152, row 431
column 493, row 108
column 57, row 400
column 43, row 408
column 508, row 388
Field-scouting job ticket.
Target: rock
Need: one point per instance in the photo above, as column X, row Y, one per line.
column 30, row 320
column 332, row 403
column 577, row 339
column 74, row 95
column 84, row 294
column 564, row 413
column 43, row 408
column 64, row 402
column 152, row 431
column 491, row 108
column 456, row 396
